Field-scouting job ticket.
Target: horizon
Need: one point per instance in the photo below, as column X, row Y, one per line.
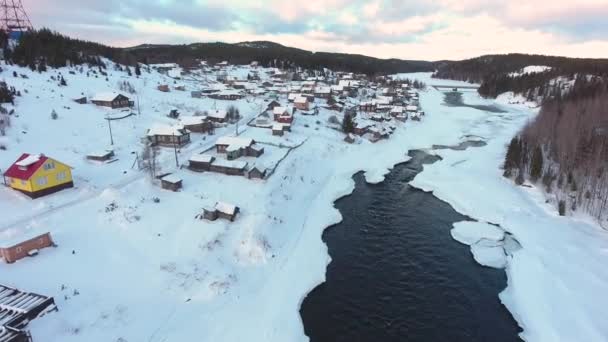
column 445, row 30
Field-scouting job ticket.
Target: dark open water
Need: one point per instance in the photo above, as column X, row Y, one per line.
column 397, row 275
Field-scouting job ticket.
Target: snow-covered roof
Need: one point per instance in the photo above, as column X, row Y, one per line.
column 226, row 208
column 279, row 110
column 100, row 154
column 236, row 141
column 166, row 130
column 277, row 126
column 202, row 158
column 29, row 160
column 218, row 114
column 411, row 108
column 323, row 90
column 232, row 164
column 192, row 120
column 171, row 178
column 300, row 99
column 105, row 97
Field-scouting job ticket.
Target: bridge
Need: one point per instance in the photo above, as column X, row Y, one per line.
column 441, row 87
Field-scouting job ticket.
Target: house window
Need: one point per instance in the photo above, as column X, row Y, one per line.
column 61, row 176
column 42, row 180
column 41, row 241
column 19, row 249
column 24, row 183
column 49, row 166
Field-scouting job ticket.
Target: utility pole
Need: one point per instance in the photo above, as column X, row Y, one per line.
column 175, row 150
column 110, row 128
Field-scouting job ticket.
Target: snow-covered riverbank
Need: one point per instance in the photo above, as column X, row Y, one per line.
column 148, row 271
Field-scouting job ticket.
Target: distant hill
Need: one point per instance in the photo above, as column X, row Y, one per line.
column 268, row 53
column 56, row 50
column 501, row 73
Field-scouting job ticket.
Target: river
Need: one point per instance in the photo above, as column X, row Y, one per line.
column 397, row 275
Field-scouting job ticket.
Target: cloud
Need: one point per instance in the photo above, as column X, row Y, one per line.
column 440, row 29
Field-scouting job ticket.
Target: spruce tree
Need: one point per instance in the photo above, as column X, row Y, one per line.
column 348, row 125
column 536, row 164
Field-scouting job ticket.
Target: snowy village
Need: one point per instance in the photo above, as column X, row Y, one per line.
column 193, row 132
column 207, row 172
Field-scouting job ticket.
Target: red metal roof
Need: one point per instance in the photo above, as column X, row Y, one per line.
column 15, row 172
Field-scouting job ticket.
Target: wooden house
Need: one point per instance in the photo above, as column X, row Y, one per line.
column 37, row 175
column 301, row 103
column 322, row 92
column 217, row 115
column 169, row 136
column 368, row 107
column 30, row 247
column 200, row 162
column 171, row 182
column 197, row 124
column 112, row 100
column 164, row 88
column 272, row 105
column 229, row 95
column 236, row 147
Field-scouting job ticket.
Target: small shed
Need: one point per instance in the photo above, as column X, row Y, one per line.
column 221, row 210
column 171, row 182
column 256, row 173
column 349, row 138
column 164, row 88
column 200, row 162
column 277, row 129
column 101, row 156
column 25, row 248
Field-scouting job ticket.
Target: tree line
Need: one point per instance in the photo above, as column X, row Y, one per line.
column 565, row 149
column 56, row 50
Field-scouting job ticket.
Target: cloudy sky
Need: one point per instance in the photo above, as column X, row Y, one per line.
column 431, row 30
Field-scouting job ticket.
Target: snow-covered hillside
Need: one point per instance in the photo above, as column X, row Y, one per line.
column 531, row 69
column 134, row 264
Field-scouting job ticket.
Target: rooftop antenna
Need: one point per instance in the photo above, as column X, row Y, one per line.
column 13, row 18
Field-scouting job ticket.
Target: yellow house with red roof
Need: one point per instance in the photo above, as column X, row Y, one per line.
column 37, row 175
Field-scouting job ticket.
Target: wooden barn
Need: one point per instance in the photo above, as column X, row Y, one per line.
column 25, row 248
column 221, row 210
column 37, row 175
column 171, row 182
column 229, row 167
column 112, row 100
column 256, row 173
column 200, row 162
